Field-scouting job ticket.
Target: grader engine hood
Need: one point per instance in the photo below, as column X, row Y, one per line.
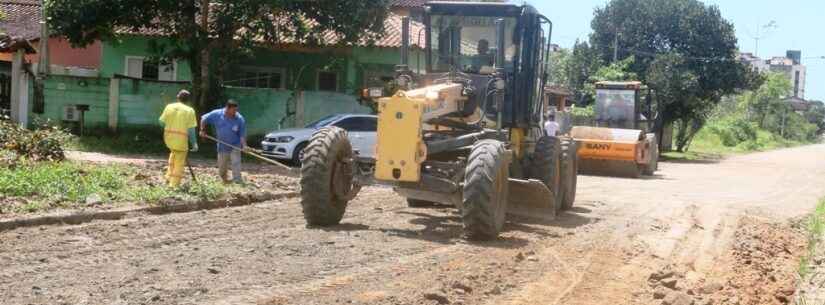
column 401, row 124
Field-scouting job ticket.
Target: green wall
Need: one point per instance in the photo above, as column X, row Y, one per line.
column 115, row 52
column 142, row 102
column 60, row 91
column 263, row 109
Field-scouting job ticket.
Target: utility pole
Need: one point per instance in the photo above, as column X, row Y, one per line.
column 616, row 46
column 762, row 32
column 205, row 56
column 43, row 66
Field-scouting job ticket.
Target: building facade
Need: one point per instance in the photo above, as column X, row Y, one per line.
column 122, row 86
column 790, row 65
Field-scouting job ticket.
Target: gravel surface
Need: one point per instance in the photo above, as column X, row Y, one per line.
column 619, row 245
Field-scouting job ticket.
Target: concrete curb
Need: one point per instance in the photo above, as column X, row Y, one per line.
column 165, row 207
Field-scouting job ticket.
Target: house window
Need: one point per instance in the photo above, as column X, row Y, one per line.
column 254, row 77
column 140, row 67
column 796, row 84
column 378, row 78
column 327, row 81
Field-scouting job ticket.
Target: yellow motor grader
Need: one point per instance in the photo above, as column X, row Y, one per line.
column 621, row 142
column 465, row 130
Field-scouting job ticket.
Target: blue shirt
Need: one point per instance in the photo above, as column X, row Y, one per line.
column 227, row 130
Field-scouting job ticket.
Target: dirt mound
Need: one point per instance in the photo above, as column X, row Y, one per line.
column 765, row 261
column 759, row 269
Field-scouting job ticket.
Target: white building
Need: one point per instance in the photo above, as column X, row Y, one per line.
column 790, row 65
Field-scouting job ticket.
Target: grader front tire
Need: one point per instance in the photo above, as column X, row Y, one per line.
column 324, row 176
column 486, row 190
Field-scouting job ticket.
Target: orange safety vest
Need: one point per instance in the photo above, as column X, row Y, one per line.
column 178, row 119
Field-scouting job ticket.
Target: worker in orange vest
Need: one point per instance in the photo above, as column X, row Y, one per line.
column 179, row 123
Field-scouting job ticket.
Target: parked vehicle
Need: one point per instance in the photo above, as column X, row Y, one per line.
column 288, row 144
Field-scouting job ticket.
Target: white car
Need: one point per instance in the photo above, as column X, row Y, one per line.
column 288, row 144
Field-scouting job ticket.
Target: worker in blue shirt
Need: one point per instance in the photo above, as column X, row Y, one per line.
column 230, row 128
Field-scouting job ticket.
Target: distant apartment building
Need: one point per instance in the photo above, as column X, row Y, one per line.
column 790, row 65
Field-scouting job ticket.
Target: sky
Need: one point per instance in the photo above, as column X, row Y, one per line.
column 799, row 26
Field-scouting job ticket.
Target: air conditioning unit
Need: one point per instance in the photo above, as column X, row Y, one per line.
column 70, row 113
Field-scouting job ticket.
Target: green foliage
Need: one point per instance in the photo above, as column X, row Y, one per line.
column 585, row 112
column 815, row 228
column 66, row 184
column 618, row 71
column 648, row 28
column 126, row 141
column 574, row 68
column 70, row 180
column 43, row 143
column 683, row 48
column 767, row 99
column 816, row 115
column 231, row 31
column 734, row 130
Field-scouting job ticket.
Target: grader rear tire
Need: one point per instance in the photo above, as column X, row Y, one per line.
column 324, row 176
column 545, row 166
column 569, row 172
column 486, row 190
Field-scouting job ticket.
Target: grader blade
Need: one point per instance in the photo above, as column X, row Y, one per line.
column 531, row 198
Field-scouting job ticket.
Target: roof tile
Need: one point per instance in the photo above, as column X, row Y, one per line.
column 408, row 3
column 21, row 18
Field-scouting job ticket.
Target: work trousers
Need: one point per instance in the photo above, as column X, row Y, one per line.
column 177, row 164
column 227, row 159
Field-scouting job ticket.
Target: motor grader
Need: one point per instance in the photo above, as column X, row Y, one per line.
column 622, row 142
column 464, row 130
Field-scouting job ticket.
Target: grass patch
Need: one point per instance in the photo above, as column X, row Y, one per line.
column 34, row 187
column 146, row 142
column 815, row 228
column 708, row 145
column 122, row 143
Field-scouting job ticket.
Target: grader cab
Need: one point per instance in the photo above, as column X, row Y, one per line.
column 622, row 142
column 465, row 131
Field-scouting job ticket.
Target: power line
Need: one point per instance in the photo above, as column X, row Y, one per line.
column 693, row 58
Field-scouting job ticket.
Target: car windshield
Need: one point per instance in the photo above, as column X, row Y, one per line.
column 323, row 121
column 471, row 38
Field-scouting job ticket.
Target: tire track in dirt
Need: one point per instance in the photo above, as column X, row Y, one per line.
column 603, row 251
column 692, row 230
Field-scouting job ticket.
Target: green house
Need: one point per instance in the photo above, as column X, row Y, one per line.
column 279, row 86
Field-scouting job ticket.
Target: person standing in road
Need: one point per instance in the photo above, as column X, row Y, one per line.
column 179, row 122
column 230, row 128
column 551, row 127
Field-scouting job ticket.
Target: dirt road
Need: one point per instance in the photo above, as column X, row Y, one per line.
column 700, row 221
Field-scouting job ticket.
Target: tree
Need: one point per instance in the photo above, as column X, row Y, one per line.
column 209, row 34
column 574, row 68
column 768, row 98
column 676, row 88
column 816, row 115
column 680, row 34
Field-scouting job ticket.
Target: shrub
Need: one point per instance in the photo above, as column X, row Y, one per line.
column 44, row 142
column 734, row 130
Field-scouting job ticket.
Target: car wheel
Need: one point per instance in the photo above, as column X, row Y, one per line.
column 298, row 153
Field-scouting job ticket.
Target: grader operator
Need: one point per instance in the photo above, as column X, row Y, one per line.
column 465, row 132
